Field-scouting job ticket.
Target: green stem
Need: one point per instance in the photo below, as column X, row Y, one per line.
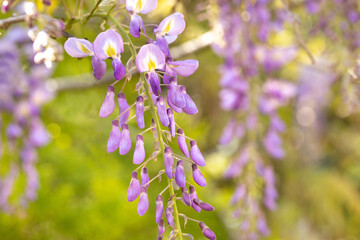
column 155, row 117
column 93, row 10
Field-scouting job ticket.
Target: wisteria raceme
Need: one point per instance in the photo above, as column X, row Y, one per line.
column 157, row 68
column 248, row 87
column 22, row 95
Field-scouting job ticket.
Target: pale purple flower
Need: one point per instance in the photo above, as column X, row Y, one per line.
column 169, row 215
column 150, row 58
column 273, row 144
column 140, row 112
column 207, row 231
column 114, row 138
column 193, row 196
column 203, row 205
column 239, row 194
column 182, row 142
column 135, row 7
column 197, row 176
column 179, row 174
column 38, row 135
column 99, row 67
column 177, row 97
column 161, row 109
column 13, row 131
column 144, row 178
column 171, row 122
column 143, row 204
column 186, row 196
column 108, row 106
column 195, row 154
column 190, row 107
column 139, row 153
column 109, row 44
column 171, row 27
column 134, row 187
column 159, row 208
column 125, row 141
column 168, row 162
column 80, row 48
column 124, row 110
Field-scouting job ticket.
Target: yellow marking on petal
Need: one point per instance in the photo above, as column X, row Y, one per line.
column 139, row 6
column 110, row 50
column 84, row 49
column 168, row 27
column 151, row 65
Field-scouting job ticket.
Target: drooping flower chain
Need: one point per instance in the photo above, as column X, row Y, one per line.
column 153, row 60
column 250, row 93
column 22, row 96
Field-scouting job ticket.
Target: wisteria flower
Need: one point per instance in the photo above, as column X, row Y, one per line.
column 149, row 59
column 109, row 44
column 80, row 48
column 135, row 7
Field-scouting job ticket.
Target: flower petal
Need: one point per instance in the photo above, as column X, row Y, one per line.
column 119, row 69
column 99, row 67
column 136, row 25
column 114, row 138
column 108, row 106
column 149, row 58
column 185, row 68
column 78, row 48
column 108, row 44
column 172, row 25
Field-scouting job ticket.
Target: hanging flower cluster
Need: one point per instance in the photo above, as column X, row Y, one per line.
column 251, row 91
column 22, row 93
column 162, row 98
column 345, row 37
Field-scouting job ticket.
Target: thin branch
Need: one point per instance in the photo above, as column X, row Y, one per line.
column 93, row 10
column 6, row 23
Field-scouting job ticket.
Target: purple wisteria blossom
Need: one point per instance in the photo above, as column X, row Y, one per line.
column 22, row 95
column 250, row 93
column 159, row 72
column 134, row 7
column 80, row 48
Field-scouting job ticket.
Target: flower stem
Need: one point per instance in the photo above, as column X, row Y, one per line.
column 155, row 117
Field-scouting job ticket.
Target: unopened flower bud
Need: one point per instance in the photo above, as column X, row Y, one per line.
column 143, row 204
column 108, row 106
column 161, row 107
column 207, row 231
column 140, row 112
column 139, row 153
column 125, row 141
column 180, row 175
column 159, row 208
column 195, row 154
column 114, row 138
column 124, row 110
column 197, row 176
column 134, row 187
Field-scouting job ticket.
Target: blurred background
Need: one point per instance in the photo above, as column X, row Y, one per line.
column 82, row 192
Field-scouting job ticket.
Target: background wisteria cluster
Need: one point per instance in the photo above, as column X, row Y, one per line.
column 179, row 119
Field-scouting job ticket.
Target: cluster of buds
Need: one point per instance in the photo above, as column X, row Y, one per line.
column 21, row 96
column 249, row 92
column 153, row 62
